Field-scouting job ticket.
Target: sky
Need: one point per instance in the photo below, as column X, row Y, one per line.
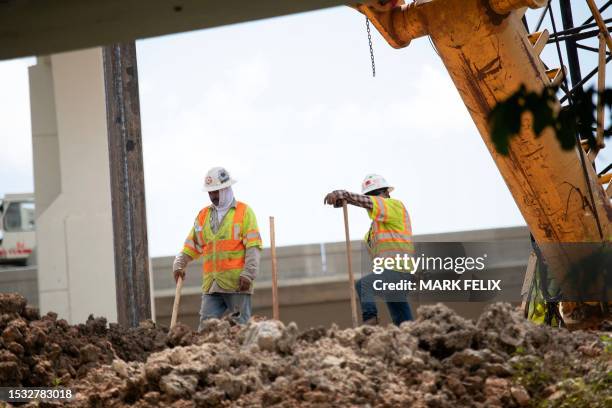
column 289, row 106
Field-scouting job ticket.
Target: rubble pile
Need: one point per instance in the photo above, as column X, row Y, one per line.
column 439, row 360
column 46, row 351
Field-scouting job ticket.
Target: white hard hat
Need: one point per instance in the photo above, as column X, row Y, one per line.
column 373, row 182
column 217, row 178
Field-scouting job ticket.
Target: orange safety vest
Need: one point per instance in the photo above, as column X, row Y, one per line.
column 223, row 251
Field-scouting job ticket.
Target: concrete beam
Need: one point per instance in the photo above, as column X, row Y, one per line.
column 43, row 27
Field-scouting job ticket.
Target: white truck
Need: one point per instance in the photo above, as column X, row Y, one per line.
column 17, row 232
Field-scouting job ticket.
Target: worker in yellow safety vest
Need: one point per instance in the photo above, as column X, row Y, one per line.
column 226, row 236
column 389, row 243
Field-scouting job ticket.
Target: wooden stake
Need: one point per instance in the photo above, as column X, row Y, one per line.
column 275, row 311
column 177, row 299
column 350, row 266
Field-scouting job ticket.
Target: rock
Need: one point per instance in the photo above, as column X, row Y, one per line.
column 468, row 358
column 214, row 326
column 42, row 373
column 548, row 391
column 54, row 350
column 6, row 355
column 312, row 334
column 428, row 381
column 36, row 337
column 31, row 313
column 178, row 386
column 50, row 316
column 210, row 397
column 96, row 325
column 495, row 385
column 154, row 370
column 441, row 331
column 121, row 368
column 151, row 397
column 147, row 324
column 231, row 385
column 332, row 361
column 89, row 354
column 502, row 328
column 316, row 397
column 12, row 333
column 9, row 373
column 455, row 386
column 498, row 370
column 177, row 333
column 270, row 335
column 520, row 395
column 557, row 395
column 16, row 348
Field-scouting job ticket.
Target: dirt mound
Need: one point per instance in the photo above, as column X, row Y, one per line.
column 439, row 360
column 47, row 351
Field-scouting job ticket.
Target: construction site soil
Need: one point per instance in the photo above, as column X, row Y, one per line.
column 438, row 360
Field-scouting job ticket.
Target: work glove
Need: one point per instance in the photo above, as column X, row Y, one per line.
column 179, row 273
column 335, row 198
column 244, row 284
column 179, row 266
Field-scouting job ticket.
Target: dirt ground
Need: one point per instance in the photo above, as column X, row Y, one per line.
column 438, row 360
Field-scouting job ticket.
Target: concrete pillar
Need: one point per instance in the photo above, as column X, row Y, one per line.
column 72, row 186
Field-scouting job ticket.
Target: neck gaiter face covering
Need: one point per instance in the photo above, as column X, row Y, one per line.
column 226, row 198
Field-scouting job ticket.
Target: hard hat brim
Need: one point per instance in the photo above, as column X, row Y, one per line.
column 228, row 183
column 366, row 191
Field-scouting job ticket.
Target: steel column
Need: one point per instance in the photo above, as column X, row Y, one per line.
column 570, row 44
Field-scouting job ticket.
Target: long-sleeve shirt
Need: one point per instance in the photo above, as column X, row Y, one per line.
column 359, row 200
column 367, row 202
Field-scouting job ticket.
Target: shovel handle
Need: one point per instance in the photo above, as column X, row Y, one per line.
column 177, row 300
column 350, row 265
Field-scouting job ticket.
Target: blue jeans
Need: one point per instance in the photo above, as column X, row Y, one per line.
column 398, row 306
column 215, row 305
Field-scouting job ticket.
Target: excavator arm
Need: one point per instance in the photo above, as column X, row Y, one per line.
column 489, row 55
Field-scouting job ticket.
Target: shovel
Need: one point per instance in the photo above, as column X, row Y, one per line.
column 350, row 265
column 177, row 300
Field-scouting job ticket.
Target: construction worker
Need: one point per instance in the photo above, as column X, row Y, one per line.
column 389, row 235
column 225, row 234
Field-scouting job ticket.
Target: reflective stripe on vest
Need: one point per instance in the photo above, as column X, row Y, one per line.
column 223, row 251
column 389, row 242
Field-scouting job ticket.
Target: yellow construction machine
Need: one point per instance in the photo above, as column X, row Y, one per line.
column 489, row 54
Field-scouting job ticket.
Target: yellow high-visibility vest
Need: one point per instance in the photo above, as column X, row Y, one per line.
column 391, row 232
column 223, row 252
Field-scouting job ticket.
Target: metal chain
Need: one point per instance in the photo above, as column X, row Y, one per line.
column 371, row 48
